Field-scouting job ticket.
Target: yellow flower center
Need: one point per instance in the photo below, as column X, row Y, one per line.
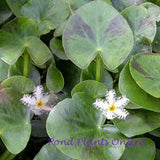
column 112, row 108
column 39, row 104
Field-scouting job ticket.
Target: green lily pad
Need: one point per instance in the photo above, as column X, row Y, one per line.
column 93, row 88
column 142, row 25
column 79, row 119
column 145, row 69
column 57, row 48
column 16, row 5
column 50, row 152
column 138, row 122
column 49, row 13
column 153, row 10
column 3, row 70
column 128, row 87
column 54, row 80
column 15, row 127
column 122, row 4
column 18, row 35
column 140, row 152
column 17, row 69
column 75, row 4
column 90, row 73
column 102, row 31
column 19, row 83
column 5, row 12
column 156, row 42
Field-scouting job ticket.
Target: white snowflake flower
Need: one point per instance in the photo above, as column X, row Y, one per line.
column 38, row 102
column 112, row 107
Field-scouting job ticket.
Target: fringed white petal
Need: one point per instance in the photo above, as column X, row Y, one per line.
column 121, row 102
column 121, row 113
column 38, row 92
column 45, row 98
column 100, row 104
column 37, row 111
column 110, row 96
column 28, row 100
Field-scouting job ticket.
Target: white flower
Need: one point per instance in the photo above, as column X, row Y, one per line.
column 112, row 107
column 38, row 101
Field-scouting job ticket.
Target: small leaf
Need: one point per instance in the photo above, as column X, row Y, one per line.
column 50, row 152
column 57, row 48
column 3, row 70
column 19, row 83
column 15, row 127
column 143, row 152
column 54, row 80
column 145, row 69
column 49, row 13
column 138, row 122
column 128, row 87
column 93, row 88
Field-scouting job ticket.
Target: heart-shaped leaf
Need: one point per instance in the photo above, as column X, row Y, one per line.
column 102, row 31
column 18, row 35
column 19, row 83
column 50, row 152
column 49, row 13
column 143, row 152
column 90, row 73
column 15, row 127
column 16, row 5
column 122, row 4
column 128, row 87
column 155, row 132
column 138, row 122
column 141, row 24
column 54, row 80
column 3, row 70
column 93, row 88
column 145, row 69
column 79, row 119
column 57, row 48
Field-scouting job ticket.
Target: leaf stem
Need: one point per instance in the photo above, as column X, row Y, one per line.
column 7, row 155
column 70, row 7
column 98, row 67
column 26, row 64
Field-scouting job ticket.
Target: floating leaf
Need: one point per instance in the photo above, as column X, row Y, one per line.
column 49, row 13
column 102, row 31
column 93, row 88
column 155, row 132
column 15, row 127
column 138, row 122
column 16, row 5
column 141, row 24
column 128, row 87
column 50, row 152
column 145, row 69
column 19, row 83
column 18, row 35
column 57, row 48
column 143, row 152
column 54, row 80
column 78, row 118
column 153, row 10
column 90, row 73
column 122, row 4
